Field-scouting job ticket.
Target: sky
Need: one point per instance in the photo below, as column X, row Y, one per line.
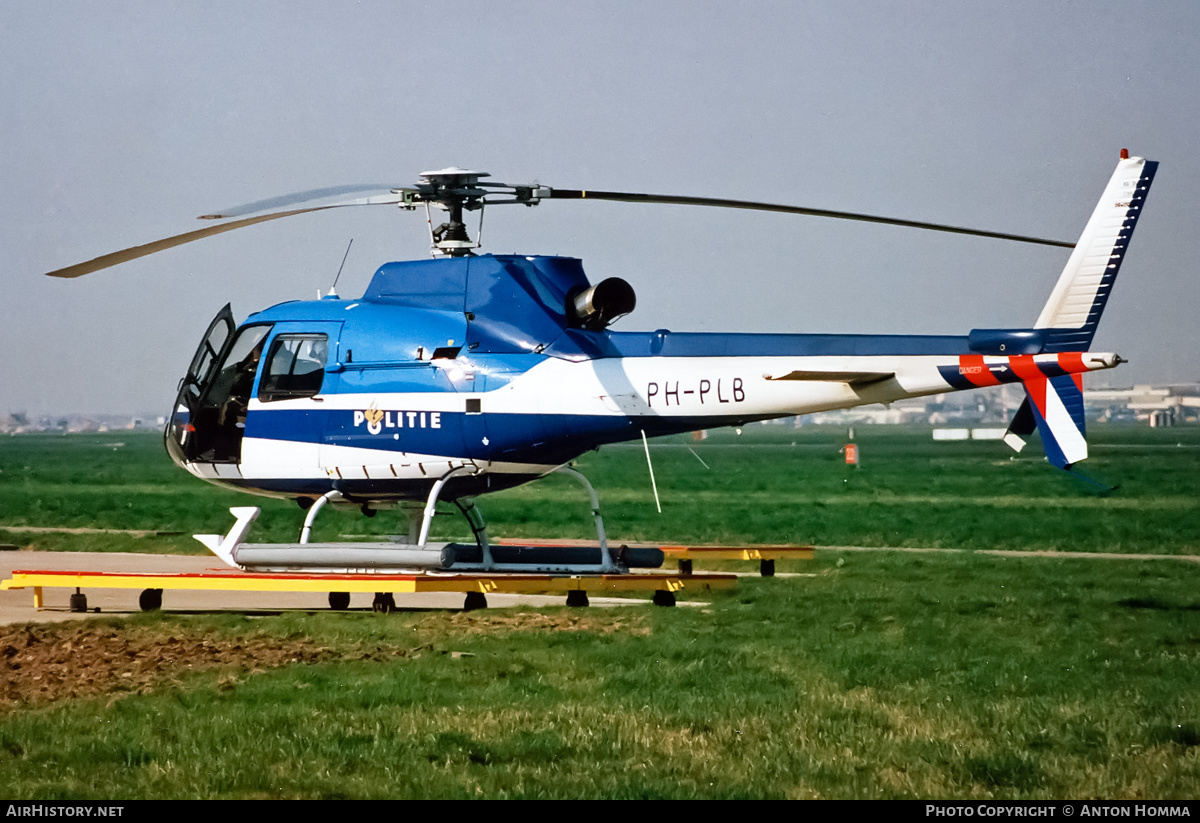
column 121, row 122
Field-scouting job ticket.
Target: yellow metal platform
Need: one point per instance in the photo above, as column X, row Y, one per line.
column 765, row 554
column 478, row 582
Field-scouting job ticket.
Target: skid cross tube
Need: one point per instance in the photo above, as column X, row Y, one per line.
column 311, row 517
column 431, row 502
column 467, row 506
column 606, row 561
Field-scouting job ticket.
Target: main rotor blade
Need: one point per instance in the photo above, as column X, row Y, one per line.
column 135, row 252
column 298, row 197
column 677, row 200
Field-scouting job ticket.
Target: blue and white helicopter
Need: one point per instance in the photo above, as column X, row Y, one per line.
column 469, row 373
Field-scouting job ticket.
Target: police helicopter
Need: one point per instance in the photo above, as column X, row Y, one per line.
column 468, row 373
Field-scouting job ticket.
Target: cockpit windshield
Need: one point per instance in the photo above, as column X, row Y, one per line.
column 236, row 377
column 215, row 397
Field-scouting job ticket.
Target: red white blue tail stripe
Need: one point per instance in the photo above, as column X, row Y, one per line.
column 977, row 371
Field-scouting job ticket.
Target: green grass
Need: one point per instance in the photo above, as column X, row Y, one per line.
column 884, row 675
column 890, row 675
column 908, row 492
column 769, row 485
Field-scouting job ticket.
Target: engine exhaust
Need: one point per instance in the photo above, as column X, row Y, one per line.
column 603, row 304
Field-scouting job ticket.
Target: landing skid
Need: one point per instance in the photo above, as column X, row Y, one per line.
column 488, row 562
column 408, row 554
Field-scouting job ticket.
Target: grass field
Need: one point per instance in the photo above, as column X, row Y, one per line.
column 879, row 674
column 769, row 485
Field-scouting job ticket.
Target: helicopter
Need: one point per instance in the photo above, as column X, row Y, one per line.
column 469, row 373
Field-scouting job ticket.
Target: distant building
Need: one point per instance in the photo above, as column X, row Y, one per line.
column 1151, row 405
column 1154, row 405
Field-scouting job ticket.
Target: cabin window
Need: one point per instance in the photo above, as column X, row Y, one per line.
column 295, row 367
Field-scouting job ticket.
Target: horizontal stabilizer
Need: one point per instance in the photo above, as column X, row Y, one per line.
column 853, row 378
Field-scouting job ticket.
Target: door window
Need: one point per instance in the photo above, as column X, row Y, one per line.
column 295, row 367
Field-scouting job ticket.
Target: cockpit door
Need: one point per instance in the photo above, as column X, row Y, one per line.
column 213, row 347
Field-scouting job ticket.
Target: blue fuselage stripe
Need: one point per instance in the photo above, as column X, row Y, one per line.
column 521, row 438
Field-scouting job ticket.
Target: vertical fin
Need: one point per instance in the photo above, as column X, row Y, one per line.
column 1057, row 407
column 1074, row 308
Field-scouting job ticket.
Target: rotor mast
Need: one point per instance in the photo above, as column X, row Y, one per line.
column 453, row 190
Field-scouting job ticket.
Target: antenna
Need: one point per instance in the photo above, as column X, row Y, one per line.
column 333, row 288
column 650, row 465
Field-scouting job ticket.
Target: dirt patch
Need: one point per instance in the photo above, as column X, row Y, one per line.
column 607, row 622
column 40, row 663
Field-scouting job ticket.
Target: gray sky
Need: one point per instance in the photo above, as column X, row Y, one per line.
column 123, row 121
